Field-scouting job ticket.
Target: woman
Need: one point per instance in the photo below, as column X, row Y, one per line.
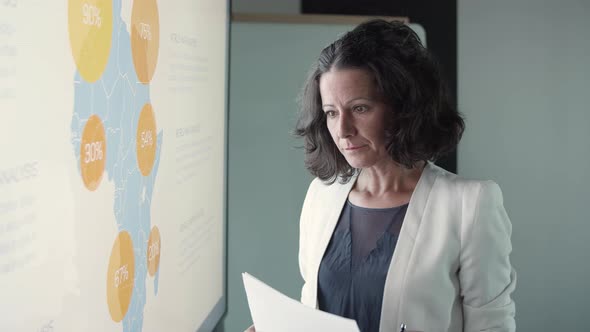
column 388, row 238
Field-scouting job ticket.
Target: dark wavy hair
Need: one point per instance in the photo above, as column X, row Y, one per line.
column 423, row 124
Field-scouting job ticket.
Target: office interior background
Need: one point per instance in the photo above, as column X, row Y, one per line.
column 137, row 130
column 519, row 71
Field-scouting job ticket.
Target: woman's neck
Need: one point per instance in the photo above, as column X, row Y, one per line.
column 389, row 177
column 385, row 185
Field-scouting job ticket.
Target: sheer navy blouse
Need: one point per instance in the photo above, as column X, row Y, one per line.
column 354, row 267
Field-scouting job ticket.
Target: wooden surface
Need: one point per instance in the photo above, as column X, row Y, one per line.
column 310, row 18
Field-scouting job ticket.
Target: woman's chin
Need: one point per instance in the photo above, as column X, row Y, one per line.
column 359, row 163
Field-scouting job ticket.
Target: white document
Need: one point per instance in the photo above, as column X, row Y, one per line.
column 273, row 311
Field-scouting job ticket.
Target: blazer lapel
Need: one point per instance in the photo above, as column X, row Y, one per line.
column 394, row 283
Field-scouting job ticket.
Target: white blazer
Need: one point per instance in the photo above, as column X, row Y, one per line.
column 450, row 270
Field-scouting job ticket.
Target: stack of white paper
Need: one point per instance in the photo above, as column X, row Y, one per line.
column 272, row 311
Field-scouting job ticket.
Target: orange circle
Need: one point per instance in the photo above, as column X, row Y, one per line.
column 90, row 26
column 120, row 276
column 93, row 151
column 145, row 38
column 153, row 251
column 146, row 140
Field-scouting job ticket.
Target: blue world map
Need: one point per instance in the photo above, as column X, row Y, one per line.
column 118, row 98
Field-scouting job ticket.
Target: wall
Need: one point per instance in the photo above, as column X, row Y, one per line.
column 266, row 173
column 524, row 80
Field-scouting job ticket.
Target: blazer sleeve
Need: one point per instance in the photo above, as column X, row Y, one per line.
column 486, row 276
column 307, row 297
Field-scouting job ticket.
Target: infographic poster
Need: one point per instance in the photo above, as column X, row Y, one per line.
column 112, row 133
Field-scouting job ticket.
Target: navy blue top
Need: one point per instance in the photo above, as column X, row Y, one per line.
column 354, row 267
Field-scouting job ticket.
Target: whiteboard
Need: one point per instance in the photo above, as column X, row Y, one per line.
column 112, row 175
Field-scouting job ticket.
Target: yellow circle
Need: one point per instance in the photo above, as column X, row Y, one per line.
column 146, row 140
column 153, row 251
column 120, row 276
column 145, row 38
column 93, row 152
column 90, row 26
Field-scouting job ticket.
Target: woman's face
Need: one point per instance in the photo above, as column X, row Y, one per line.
column 356, row 116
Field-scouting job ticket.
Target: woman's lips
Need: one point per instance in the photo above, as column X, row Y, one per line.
column 353, row 148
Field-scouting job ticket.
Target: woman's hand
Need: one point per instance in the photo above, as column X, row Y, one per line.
column 251, row 329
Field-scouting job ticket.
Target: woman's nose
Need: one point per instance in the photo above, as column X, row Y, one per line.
column 345, row 127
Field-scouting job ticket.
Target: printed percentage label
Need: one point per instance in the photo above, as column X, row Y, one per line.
column 92, row 153
column 121, row 276
column 91, row 15
column 145, row 31
column 146, row 141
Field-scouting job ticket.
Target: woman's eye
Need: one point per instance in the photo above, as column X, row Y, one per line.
column 361, row 109
column 330, row 114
